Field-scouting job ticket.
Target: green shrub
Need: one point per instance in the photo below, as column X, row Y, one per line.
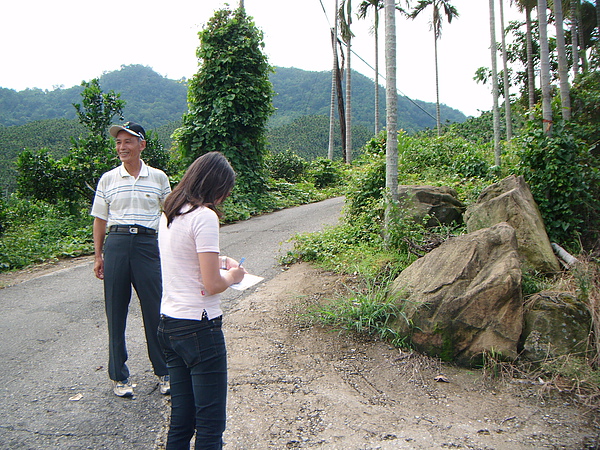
column 324, row 172
column 448, row 155
column 36, row 231
column 585, row 102
column 286, row 165
column 367, row 186
column 564, row 180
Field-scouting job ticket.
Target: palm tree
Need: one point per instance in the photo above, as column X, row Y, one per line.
column 506, row 84
column 584, row 17
column 563, row 69
column 574, row 38
column 527, row 6
column 334, row 72
column 598, row 15
column 495, row 112
column 545, row 67
column 436, row 24
column 362, row 13
column 345, row 15
column 581, row 35
column 391, row 110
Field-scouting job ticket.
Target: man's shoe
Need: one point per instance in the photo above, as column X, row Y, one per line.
column 164, row 383
column 123, row 388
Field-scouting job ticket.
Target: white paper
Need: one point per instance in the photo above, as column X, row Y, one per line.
column 248, row 281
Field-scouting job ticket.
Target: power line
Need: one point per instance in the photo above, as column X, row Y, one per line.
column 397, row 90
column 325, row 12
column 373, row 69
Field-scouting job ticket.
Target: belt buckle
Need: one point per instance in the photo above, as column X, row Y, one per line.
column 133, row 230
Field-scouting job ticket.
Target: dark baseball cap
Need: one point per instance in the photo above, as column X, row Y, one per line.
column 131, row 127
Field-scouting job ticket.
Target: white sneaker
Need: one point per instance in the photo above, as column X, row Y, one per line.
column 123, row 388
column 164, row 383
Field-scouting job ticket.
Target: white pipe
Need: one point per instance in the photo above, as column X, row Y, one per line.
column 569, row 259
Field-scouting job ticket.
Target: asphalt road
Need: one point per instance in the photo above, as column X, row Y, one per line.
column 53, row 347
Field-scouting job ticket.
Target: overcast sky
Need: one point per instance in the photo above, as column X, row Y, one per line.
column 61, row 43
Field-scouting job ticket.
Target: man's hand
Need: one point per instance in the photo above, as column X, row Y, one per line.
column 99, row 268
column 99, row 235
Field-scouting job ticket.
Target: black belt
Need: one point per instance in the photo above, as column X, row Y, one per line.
column 131, row 229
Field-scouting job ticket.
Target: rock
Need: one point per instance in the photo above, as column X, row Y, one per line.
column 510, row 201
column 439, row 202
column 555, row 324
column 464, row 298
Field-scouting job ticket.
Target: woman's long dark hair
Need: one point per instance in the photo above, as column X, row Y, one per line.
column 207, row 182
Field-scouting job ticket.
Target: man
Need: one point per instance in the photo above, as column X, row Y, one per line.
column 128, row 204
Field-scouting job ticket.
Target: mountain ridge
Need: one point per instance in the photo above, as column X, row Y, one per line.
column 37, row 119
column 154, row 100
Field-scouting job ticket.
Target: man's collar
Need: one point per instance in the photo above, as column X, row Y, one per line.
column 143, row 170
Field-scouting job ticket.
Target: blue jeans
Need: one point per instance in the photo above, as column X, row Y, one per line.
column 197, row 363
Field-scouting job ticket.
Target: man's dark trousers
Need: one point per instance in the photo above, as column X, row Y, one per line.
column 132, row 259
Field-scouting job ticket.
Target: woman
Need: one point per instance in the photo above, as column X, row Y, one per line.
column 190, row 327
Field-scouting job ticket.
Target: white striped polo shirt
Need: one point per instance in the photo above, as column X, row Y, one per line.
column 122, row 199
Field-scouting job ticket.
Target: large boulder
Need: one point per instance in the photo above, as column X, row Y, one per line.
column 555, row 324
column 510, row 201
column 464, row 298
column 440, row 203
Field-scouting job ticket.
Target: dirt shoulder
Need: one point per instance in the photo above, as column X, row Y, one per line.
column 300, row 386
column 293, row 385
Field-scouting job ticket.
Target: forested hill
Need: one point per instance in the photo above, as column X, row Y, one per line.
column 302, row 93
column 150, row 99
column 156, row 101
column 37, row 119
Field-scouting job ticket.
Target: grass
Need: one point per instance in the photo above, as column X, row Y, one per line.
column 364, row 309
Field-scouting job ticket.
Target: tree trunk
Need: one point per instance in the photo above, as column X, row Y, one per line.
column 341, row 109
column 437, row 87
column 574, row 40
column 349, row 104
column 583, row 55
column 530, row 69
column 545, row 67
column 332, row 101
column 597, row 16
column 563, row 69
column 495, row 112
column 334, row 71
column 507, row 111
column 391, row 112
column 376, row 70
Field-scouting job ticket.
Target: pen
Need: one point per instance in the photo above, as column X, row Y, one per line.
column 241, row 262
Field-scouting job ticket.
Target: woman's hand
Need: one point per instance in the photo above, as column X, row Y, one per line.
column 237, row 274
column 210, row 268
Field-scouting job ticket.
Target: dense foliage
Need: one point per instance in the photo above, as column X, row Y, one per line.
column 73, row 178
column 565, row 181
column 230, row 98
column 42, row 177
column 295, row 166
column 33, row 231
column 52, row 134
column 308, row 136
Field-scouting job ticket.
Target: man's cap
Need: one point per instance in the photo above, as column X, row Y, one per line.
column 131, row 127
